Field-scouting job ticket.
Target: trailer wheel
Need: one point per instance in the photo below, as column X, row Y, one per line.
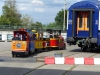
column 64, row 47
column 59, row 48
column 26, row 55
column 50, row 49
column 45, row 49
column 12, row 55
column 16, row 55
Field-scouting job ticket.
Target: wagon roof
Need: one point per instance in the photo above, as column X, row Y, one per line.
column 86, row 4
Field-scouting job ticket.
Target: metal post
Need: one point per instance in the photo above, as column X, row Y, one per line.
column 64, row 14
column 90, row 26
column 73, row 25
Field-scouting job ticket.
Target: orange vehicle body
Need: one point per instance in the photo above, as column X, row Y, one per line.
column 21, row 43
column 19, row 47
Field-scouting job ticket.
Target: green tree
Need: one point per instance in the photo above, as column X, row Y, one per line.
column 51, row 25
column 37, row 26
column 27, row 21
column 59, row 19
column 10, row 14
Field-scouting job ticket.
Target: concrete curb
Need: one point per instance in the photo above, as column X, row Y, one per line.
column 72, row 60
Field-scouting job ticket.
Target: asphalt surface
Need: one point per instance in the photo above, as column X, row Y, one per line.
column 10, row 68
column 51, row 70
column 29, row 65
column 85, row 70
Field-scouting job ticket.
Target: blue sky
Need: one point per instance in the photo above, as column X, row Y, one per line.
column 43, row 11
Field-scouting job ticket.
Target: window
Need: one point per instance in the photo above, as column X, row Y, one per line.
column 80, row 21
column 0, row 37
column 9, row 36
column 88, row 20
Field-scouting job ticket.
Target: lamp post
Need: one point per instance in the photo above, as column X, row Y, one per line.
column 64, row 14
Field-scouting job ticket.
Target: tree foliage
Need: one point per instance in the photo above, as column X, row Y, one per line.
column 10, row 14
column 37, row 26
column 27, row 20
column 59, row 19
column 51, row 26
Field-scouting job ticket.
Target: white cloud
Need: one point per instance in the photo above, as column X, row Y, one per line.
column 24, row 7
column 30, row 7
column 39, row 9
column 62, row 1
column 58, row 1
column 37, row 2
column 79, row 0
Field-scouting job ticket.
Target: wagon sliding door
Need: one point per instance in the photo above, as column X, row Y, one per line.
column 82, row 23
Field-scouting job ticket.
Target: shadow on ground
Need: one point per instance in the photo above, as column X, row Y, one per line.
column 79, row 50
column 83, row 73
column 18, row 59
column 27, row 71
column 61, row 72
column 13, row 71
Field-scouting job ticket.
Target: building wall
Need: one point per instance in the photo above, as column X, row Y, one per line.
column 6, row 35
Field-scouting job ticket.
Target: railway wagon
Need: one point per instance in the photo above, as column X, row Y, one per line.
column 83, row 26
column 39, row 42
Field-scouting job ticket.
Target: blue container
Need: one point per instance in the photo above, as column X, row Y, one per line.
column 58, row 55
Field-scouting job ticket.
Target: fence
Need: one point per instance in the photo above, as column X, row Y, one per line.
column 8, row 35
column 6, row 31
column 11, row 27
